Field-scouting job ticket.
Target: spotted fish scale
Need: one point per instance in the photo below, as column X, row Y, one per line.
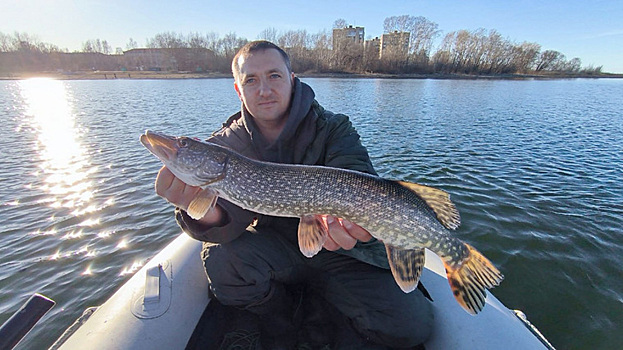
column 389, row 211
column 406, row 217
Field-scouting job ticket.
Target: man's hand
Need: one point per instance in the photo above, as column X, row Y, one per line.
column 343, row 233
column 174, row 190
column 178, row 193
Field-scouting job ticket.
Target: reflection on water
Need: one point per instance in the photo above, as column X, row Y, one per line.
column 64, row 164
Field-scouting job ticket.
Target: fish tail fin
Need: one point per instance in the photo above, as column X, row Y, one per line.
column 471, row 278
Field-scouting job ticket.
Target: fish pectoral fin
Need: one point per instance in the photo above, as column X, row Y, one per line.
column 202, row 203
column 470, row 279
column 439, row 201
column 312, row 234
column 406, row 266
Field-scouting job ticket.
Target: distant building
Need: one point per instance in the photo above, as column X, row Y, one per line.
column 345, row 37
column 33, row 61
column 148, row 59
column 162, row 59
column 372, row 48
column 394, row 45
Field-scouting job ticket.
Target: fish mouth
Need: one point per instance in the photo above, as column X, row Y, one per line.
column 162, row 146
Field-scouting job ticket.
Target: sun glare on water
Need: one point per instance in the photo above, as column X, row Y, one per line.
column 64, row 164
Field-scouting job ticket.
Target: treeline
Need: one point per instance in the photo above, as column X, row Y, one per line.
column 464, row 52
column 482, row 52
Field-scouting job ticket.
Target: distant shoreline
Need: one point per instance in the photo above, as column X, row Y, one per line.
column 111, row 75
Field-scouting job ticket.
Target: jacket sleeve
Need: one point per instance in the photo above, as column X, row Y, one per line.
column 235, row 222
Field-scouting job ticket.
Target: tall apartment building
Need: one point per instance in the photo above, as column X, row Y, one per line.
column 343, row 37
column 372, row 48
column 394, row 45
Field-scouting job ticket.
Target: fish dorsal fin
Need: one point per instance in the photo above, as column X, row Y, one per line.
column 312, row 234
column 406, row 266
column 439, row 201
column 202, row 203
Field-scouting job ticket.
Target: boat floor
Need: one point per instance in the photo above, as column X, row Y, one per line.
column 321, row 327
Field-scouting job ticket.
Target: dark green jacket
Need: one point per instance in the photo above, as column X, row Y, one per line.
column 311, row 136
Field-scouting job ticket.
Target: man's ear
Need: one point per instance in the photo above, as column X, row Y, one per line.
column 237, row 90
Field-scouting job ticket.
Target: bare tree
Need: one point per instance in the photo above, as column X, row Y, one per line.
column 525, row 56
column 298, row 44
column 229, row 45
column 321, row 44
column 321, row 40
column 404, row 23
column 269, row 34
column 559, row 64
column 197, row 41
column 295, row 39
column 423, row 33
column 87, row 46
column 131, row 44
column 547, row 60
column 106, row 48
column 498, row 54
column 212, row 40
column 590, row 69
column 167, row 40
column 96, row 46
column 484, row 52
column 574, row 65
column 25, row 42
column 5, row 43
column 340, row 23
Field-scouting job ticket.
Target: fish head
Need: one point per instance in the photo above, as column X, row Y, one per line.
column 194, row 162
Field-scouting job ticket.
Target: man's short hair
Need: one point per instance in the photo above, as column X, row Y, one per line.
column 255, row 46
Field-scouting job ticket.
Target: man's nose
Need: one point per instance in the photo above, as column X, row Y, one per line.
column 264, row 88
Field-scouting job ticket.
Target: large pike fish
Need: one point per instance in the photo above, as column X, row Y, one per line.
column 406, row 217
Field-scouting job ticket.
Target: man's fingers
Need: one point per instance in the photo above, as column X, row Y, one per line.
column 356, row 231
column 163, row 181
column 174, row 190
column 330, row 244
column 339, row 235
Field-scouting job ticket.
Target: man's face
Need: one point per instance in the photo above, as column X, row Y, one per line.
column 265, row 86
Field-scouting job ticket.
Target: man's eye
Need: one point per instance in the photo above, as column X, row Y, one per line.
column 275, row 76
column 249, row 81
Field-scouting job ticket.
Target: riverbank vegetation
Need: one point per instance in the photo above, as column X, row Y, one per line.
column 477, row 52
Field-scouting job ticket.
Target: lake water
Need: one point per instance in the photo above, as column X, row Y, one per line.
column 534, row 167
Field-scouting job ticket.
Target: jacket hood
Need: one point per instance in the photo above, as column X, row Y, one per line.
column 300, row 117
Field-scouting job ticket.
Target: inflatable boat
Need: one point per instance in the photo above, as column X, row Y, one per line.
column 161, row 305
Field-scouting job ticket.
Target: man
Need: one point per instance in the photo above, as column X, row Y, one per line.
column 253, row 261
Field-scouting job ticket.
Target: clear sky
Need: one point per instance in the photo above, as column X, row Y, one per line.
column 589, row 30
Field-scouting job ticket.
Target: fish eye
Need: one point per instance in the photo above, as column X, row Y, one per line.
column 182, row 142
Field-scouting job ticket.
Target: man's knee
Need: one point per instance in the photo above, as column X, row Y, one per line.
column 407, row 327
column 235, row 278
